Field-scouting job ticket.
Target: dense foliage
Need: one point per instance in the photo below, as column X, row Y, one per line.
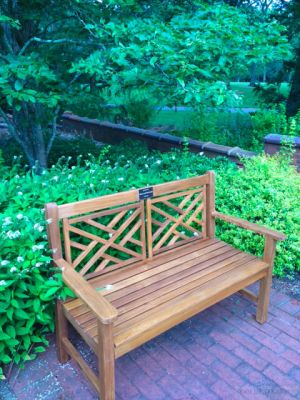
column 266, row 191
column 58, row 55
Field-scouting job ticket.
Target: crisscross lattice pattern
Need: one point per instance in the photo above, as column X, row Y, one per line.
column 108, row 239
column 175, row 218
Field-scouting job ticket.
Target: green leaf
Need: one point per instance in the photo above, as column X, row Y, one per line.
column 10, row 330
column 153, row 61
column 18, row 85
column 39, row 349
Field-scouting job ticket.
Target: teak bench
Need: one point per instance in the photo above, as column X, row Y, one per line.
column 143, row 261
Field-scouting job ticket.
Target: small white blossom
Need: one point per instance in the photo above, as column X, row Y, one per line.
column 120, row 179
column 20, row 216
column 158, row 162
column 7, row 221
column 92, row 185
column 13, row 235
column 37, row 247
column 49, row 221
column 55, row 178
column 38, row 227
column 110, row 235
column 146, row 166
column 196, row 234
column 13, row 269
column 104, row 181
column 38, row 264
column 20, row 193
column 4, row 262
column 2, row 283
column 20, row 259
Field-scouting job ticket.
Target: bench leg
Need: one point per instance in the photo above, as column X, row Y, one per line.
column 266, row 282
column 106, row 361
column 61, row 327
column 264, row 298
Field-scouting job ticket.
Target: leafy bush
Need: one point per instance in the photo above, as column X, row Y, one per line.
column 266, row 191
column 64, row 146
column 239, row 129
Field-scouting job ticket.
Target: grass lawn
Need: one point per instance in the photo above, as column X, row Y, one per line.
column 181, row 120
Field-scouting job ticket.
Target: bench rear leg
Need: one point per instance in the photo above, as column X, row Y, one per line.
column 106, row 361
column 61, row 333
column 266, row 282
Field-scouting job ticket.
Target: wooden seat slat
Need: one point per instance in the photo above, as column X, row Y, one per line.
column 140, row 286
column 135, row 311
column 147, row 260
column 186, row 306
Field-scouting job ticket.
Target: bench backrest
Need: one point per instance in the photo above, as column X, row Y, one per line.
column 112, row 231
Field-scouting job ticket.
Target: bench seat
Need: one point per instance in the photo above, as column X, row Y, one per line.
column 155, row 295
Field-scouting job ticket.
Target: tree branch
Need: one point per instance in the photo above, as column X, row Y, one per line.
column 56, row 41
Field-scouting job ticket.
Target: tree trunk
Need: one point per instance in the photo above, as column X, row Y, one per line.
column 293, row 101
column 29, row 128
column 253, row 77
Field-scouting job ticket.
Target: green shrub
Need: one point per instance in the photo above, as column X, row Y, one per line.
column 266, row 192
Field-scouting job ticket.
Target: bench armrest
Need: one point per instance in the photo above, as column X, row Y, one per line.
column 101, row 307
column 250, row 226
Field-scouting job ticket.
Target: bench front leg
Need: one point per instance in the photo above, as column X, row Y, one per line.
column 106, row 361
column 266, row 282
column 61, row 330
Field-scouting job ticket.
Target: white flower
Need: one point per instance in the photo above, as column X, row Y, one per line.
column 201, row 153
column 55, row 178
column 20, row 259
column 104, row 181
column 38, row 227
column 38, row 264
column 146, row 165
column 110, row 235
column 2, row 283
column 92, row 185
column 158, row 162
column 196, row 234
column 37, row 247
column 20, row 193
column 13, row 235
column 120, row 179
column 7, row 221
column 49, row 221
column 13, row 269
column 20, row 216
column 4, row 262
column 44, row 172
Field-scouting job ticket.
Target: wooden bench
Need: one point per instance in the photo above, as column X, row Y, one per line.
column 143, row 261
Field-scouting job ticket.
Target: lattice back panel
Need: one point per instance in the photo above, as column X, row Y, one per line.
column 108, row 239
column 175, row 219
